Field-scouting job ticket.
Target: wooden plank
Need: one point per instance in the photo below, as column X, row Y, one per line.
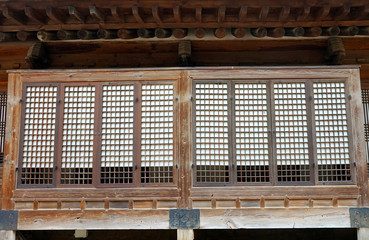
column 7, row 235
column 185, row 234
column 362, row 233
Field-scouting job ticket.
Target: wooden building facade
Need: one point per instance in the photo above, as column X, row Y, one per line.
column 183, row 115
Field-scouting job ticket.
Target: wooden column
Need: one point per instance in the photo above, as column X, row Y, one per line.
column 362, row 233
column 188, row 234
column 7, row 235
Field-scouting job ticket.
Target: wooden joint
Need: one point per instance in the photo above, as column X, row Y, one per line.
column 342, row 12
column 184, row 53
column 221, row 14
column 96, row 13
column 177, row 14
column 198, row 14
column 284, row 14
column 37, row 56
column 263, row 14
column 303, row 13
column 335, row 50
column 115, row 12
column 75, row 13
column 54, row 15
column 33, row 15
column 156, row 13
column 137, row 14
column 243, row 14
column 13, row 16
column 323, row 12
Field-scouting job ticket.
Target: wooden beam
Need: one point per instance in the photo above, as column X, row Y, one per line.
column 284, row 14
column 116, row 14
column 238, row 32
column 349, row 31
column 331, row 31
column 26, row 36
column 137, row 14
column 96, row 13
column 199, row 14
column 106, row 34
column 163, row 33
column 220, row 32
column 323, row 12
column 146, row 33
column 7, row 235
column 243, row 14
column 7, row 36
column 180, row 32
column 186, row 234
column 33, row 15
column 54, row 15
column 263, row 14
column 75, row 13
column 46, row 35
column 276, row 32
column 364, row 30
column 85, row 34
column 127, row 33
column 313, row 32
column 156, row 14
column 259, row 32
column 200, row 32
column 295, row 32
column 304, row 13
column 13, row 16
column 66, row 35
column 342, row 12
column 221, row 14
column 177, row 14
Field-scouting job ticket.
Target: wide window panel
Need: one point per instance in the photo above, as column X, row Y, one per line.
column 292, row 151
column 212, row 157
column 331, row 132
column 157, row 133
column 78, row 134
column 251, row 127
column 117, row 134
column 39, row 135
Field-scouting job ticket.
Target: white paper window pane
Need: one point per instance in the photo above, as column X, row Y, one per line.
column 292, row 149
column 331, row 132
column 39, row 135
column 251, row 127
column 157, row 116
column 78, row 134
column 211, row 119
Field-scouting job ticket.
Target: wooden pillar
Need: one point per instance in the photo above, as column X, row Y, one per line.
column 7, row 235
column 362, row 233
column 187, row 234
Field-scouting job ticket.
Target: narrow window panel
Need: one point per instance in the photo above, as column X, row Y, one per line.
column 332, row 139
column 291, row 136
column 39, row 135
column 251, row 127
column 117, row 134
column 78, row 134
column 365, row 98
column 211, row 119
column 3, row 102
column 157, row 116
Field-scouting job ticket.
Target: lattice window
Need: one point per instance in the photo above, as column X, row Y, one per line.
column 157, row 133
column 78, row 134
column 39, row 135
column 365, row 98
column 3, row 102
column 291, row 132
column 212, row 157
column 251, row 127
column 331, row 132
column 117, row 134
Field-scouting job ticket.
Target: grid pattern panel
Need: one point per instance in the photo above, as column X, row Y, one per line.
column 117, row 134
column 251, row 126
column 291, row 132
column 331, row 132
column 212, row 160
column 3, row 102
column 365, row 98
column 39, row 135
column 78, row 131
column 157, row 116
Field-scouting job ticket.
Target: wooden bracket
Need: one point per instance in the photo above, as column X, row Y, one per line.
column 37, row 56
column 184, row 53
column 335, row 51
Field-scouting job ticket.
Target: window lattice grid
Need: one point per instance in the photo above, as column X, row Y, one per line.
column 78, row 134
column 251, row 127
column 211, row 119
column 365, row 99
column 3, row 102
column 117, row 134
column 291, row 136
column 39, row 135
column 157, row 117
column 332, row 138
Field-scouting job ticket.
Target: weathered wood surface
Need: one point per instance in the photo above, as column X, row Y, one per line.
column 7, row 235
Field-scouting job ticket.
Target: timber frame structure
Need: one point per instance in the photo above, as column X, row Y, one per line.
column 184, row 115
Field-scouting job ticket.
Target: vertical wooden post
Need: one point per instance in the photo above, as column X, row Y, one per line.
column 7, row 235
column 362, row 233
column 188, row 234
